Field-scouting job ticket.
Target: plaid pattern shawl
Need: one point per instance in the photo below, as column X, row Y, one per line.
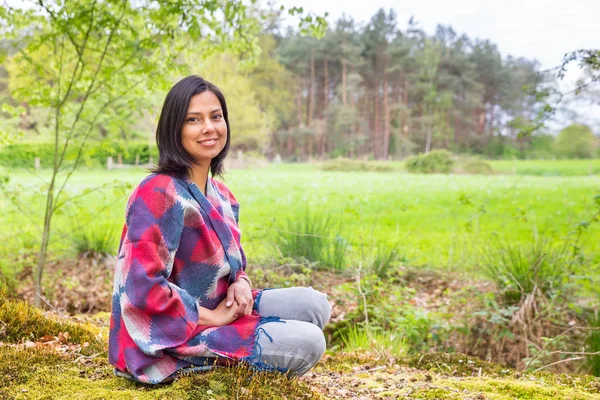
column 179, row 250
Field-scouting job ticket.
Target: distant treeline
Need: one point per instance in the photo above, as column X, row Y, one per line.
column 363, row 90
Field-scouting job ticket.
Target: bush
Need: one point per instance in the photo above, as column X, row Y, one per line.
column 23, row 155
column 576, row 141
column 349, row 165
column 437, row 161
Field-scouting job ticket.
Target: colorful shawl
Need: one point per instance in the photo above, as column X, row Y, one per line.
column 179, row 250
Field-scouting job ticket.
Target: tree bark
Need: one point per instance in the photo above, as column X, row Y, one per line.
column 344, row 82
column 375, row 145
column 429, row 130
column 386, row 114
column 299, row 105
column 326, row 85
column 311, row 96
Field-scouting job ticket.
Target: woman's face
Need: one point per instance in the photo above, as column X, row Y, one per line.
column 204, row 132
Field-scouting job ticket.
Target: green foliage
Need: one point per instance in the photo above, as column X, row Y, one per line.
column 314, row 237
column 348, row 165
column 389, row 309
column 517, row 269
column 576, row 141
column 437, row 161
column 593, row 344
column 250, row 123
column 23, row 155
column 95, row 239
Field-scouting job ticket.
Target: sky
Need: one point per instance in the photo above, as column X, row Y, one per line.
column 536, row 29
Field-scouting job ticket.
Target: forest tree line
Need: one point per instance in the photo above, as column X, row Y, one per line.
column 363, row 90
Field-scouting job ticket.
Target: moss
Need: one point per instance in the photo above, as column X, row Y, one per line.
column 436, row 393
column 34, row 373
column 456, row 364
column 22, row 322
column 519, row 389
column 344, row 361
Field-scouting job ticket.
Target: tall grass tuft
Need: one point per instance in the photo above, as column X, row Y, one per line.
column 95, row 239
column 517, row 270
column 385, row 259
column 384, row 343
column 314, row 237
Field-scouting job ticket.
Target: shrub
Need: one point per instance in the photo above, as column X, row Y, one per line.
column 23, row 155
column 576, row 141
column 437, row 161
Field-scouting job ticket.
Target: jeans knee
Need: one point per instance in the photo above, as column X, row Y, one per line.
column 317, row 307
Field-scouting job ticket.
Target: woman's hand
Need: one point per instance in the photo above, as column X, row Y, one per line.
column 239, row 297
column 222, row 315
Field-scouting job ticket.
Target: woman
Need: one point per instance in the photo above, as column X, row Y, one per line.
column 181, row 298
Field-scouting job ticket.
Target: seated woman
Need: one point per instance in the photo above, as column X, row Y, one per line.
column 181, row 299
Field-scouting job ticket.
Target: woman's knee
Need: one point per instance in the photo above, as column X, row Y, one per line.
column 315, row 306
column 296, row 303
column 294, row 346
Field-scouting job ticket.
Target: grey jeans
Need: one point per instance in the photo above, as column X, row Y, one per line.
column 296, row 343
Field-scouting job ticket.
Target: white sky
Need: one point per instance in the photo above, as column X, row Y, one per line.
column 540, row 29
column 536, row 29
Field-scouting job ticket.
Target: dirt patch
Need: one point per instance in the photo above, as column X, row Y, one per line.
column 75, row 286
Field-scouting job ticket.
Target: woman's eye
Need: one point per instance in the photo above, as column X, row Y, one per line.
column 192, row 119
column 217, row 116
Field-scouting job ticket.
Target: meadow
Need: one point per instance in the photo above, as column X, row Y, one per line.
column 435, row 221
column 446, row 259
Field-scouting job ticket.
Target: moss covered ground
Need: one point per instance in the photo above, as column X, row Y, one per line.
column 74, row 366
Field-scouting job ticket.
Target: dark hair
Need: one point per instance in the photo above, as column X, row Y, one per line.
column 173, row 159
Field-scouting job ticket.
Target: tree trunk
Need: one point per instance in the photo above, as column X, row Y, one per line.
column 429, row 130
column 311, row 96
column 290, row 145
column 344, row 83
column 375, row 145
column 405, row 110
column 299, row 105
column 39, row 272
column 326, row 85
column 386, row 114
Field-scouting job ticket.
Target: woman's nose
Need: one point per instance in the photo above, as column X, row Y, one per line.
column 208, row 127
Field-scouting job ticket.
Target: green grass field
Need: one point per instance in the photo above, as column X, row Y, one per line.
column 442, row 221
